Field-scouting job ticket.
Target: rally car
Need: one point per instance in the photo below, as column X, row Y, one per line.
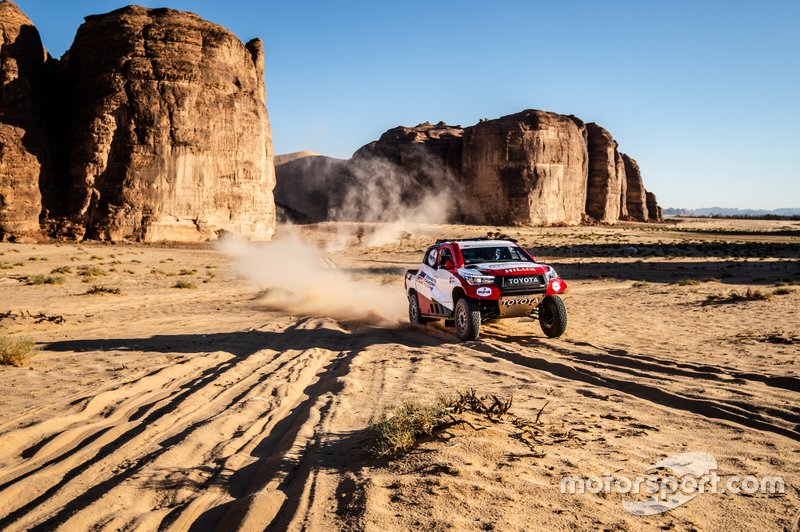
column 470, row 281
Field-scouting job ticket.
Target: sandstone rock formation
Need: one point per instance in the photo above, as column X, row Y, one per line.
column 623, row 187
column 635, row 195
column 525, row 168
column 309, row 186
column 654, row 213
column 25, row 156
column 606, row 175
column 167, row 130
column 423, row 148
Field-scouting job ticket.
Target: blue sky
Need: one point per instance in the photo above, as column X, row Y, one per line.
column 704, row 94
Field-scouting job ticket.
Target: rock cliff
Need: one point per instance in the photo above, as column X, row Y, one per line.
column 25, row 156
column 635, row 195
column 167, row 129
column 309, row 186
column 654, row 213
column 525, row 168
column 604, row 185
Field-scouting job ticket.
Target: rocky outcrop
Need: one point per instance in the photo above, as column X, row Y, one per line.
column 525, row 168
column 167, row 130
column 424, row 148
column 606, row 175
column 309, row 186
column 25, row 157
column 623, row 187
column 654, row 213
column 635, row 195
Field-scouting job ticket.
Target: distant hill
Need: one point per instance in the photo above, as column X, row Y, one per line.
column 722, row 211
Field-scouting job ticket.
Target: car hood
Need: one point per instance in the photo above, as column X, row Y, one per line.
column 505, row 268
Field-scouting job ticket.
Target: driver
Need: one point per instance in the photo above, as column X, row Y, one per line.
column 498, row 254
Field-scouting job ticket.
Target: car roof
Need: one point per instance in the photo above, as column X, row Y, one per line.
column 468, row 244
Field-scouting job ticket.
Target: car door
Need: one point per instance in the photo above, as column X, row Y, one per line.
column 445, row 280
column 426, row 277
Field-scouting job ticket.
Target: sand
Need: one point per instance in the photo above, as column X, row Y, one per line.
column 204, row 407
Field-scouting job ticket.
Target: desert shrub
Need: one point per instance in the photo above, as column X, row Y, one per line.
column 182, row 283
column 99, row 289
column 61, row 269
column 688, row 282
column 398, row 430
column 16, row 352
column 735, row 297
column 90, row 271
column 187, row 272
column 639, row 284
column 782, row 291
column 43, row 279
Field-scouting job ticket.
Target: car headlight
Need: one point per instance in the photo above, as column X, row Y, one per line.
column 478, row 279
column 551, row 274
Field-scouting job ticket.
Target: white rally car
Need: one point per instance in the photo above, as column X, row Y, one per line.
column 470, row 281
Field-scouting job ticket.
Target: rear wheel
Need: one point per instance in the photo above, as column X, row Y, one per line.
column 468, row 319
column 553, row 316
column 414, row 313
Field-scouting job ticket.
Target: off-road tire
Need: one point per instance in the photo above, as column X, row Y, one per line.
column 468, row 319
column 414, row 312
column 553, row 316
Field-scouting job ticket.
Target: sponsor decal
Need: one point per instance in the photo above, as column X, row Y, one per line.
column 519, row 281
column 484, row 291
column 520, row 301
column 517, row 270
column 432, row 257
column 426, row 279
column 556, row 286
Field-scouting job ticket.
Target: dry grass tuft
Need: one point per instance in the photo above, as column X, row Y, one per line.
column 90, row 271
column 782, row 291
column 735, row 297
column 16, row 352
column 43, row 279
column 182, row 283
column 399, row 429
column 99, row 289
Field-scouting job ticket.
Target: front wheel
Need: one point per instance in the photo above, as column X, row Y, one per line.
column 553, row 316
column 468, row 319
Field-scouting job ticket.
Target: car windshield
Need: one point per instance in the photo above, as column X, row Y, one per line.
column 494, row 254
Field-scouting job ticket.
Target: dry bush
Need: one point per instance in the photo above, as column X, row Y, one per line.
column 398, row 430
column 16, row 352
column 182, row 283
column 735, row 297
column 43, row 279
column 61, row 269
column 688, row 282
column 99, row 289
column 90, row 271
column 782, row 291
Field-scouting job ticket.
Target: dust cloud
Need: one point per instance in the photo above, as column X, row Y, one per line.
column 298, row 279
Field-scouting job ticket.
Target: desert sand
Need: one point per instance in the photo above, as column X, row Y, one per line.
column 227, row 405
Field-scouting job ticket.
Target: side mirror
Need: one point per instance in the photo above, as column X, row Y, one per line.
column 449, row 265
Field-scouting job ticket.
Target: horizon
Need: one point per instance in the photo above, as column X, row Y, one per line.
column 675, row 84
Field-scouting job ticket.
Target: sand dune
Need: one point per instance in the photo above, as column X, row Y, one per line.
column 190, row 409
